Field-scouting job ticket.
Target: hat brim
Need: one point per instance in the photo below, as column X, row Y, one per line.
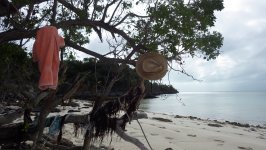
column 151, row 75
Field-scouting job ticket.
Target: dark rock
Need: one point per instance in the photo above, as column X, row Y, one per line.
column 192, row 118
column 177, row 116
column 140, row 115
column 169, row 149
column 162, row 119
column 239, row 124
column 252, row 129
column 214, row 125
column 72, row 104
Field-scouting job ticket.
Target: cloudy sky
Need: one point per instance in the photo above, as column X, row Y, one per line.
column 242, row 63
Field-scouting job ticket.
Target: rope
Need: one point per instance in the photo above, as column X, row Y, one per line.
column 144, row 134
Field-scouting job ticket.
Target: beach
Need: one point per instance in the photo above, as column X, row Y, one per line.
column 181, row 133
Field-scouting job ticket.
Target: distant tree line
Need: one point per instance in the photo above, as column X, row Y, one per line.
column 18, row 72
column 100, row 73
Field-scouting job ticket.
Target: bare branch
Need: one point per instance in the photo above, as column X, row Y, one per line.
column 114, row 11
column 129, row 15
column 29, row 12
column 86, row 5
column 99, row 56
column 70, row 6
column 106, row 8
column 54, row 12
column 100, row 24
column 94, row 10
column 184, row 72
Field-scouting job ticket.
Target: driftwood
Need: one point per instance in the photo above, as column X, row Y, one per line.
column 104, row 107
column 127, row 138
column 15, row 133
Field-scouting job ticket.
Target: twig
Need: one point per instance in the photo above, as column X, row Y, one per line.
column 144, row 134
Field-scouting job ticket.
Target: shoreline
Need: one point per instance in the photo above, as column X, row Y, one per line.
column 173, row 132
column 244, row 108
column 165, row 132
column 221, row 121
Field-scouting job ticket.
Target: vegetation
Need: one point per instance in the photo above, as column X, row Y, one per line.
column 173, row 28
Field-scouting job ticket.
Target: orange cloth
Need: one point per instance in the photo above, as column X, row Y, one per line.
column 46, row 53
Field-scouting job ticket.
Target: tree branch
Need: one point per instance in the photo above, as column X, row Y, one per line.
column 97, row 55
column 20, row 34
column 54, row 12
column 127, row 138
column 31, row 6
column 20, row 5
column 184, row 72
column 70, row 6
column 114, row 11
column 106, row 8
column 16, row 34
column 129, row 15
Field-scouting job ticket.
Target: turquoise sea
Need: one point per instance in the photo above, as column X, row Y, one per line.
column 243, row 107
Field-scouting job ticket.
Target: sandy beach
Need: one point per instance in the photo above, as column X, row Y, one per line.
column 181, row 133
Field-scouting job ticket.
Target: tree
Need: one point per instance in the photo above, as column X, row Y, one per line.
column 174, row 28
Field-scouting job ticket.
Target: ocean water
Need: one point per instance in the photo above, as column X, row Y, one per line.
column 243, row 107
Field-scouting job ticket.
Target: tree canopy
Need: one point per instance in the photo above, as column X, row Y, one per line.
column 173, row 28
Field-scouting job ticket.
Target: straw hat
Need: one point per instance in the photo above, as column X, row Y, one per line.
column 151, row 66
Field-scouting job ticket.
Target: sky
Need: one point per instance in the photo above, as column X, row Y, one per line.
column 241, row 65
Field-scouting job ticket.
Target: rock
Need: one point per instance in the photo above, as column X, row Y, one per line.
column 162, row 119
column 72, row 104
column 239, row 124
column 253, row 129
column 214, row 125
column 140, row 115
column 192, row 118
column 177, row 116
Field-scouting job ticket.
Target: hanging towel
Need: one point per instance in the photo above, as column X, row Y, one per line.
column 46, row 53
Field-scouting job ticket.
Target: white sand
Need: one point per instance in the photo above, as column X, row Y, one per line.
column 182, row 134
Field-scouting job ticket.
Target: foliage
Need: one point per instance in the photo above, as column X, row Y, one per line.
column 14, row 63
column 174, row 28
column 100, row 74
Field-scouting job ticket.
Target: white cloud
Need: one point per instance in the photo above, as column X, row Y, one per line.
column 242, row 63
